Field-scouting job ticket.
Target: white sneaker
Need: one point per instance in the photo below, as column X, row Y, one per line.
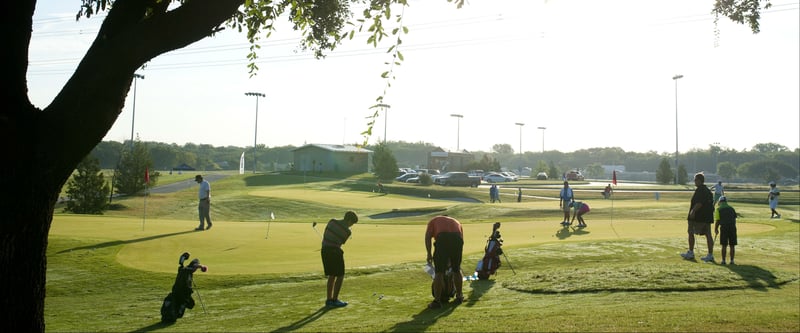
column 707, row 258
column 688, row 255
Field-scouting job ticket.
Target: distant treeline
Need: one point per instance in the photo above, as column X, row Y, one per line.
column 207, row 157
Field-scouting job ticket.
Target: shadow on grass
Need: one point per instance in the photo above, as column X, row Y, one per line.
column 422, row 320
column 157, row 326
column 568, row 231
column 403, row 213
column 757, row 278
column 305, row 321
column 123, row 242
column 479, row 288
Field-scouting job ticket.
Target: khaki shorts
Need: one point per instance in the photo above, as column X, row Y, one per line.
column 699, row 228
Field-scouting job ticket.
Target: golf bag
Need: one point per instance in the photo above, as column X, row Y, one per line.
column 491, row 258
column 449, row 290
column 180, row 299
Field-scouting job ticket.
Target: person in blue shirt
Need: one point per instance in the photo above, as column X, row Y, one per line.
column 565, row 198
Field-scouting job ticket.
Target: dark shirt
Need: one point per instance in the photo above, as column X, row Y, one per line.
column 703, row 196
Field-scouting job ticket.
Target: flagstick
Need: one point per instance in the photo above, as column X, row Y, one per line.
column 613, row 192
column 144, row 217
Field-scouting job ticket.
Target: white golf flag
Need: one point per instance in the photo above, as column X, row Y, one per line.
column 241, row 164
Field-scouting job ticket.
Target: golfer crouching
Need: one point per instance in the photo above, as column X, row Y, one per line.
column 449, row 244
column 336, row 234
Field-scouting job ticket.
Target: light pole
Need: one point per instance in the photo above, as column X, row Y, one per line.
column 675, row 78
column 385, row 108
column 133, row 115
column 542, row 128
column 458, row 130
column 255, row 140
column 520, row 136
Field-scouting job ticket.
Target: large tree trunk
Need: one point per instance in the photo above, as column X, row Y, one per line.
column 41, row 148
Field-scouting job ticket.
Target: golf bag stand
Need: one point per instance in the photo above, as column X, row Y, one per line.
column 491, row 258
column 180, row 299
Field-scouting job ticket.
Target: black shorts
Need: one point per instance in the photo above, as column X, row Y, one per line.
column 447, row 253
column 332, row 261
column 727, row 235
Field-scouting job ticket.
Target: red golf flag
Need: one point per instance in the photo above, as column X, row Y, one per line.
column 147, row 176
column 614, row 178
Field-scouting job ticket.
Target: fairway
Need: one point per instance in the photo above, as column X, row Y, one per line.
column 621, row 273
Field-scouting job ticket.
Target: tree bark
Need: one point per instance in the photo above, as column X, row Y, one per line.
column 41, row 148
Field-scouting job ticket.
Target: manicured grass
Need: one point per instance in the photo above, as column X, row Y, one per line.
column 622, row 273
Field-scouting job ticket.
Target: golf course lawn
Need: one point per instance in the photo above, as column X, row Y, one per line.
column 110, row 273
column 244, row 248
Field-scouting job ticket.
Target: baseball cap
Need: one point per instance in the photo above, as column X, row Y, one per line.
column 723, row 198
column 198, row 177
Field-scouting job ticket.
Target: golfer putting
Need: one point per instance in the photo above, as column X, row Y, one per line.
column 336, row 234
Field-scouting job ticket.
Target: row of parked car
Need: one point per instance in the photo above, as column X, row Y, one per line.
column 412, row 176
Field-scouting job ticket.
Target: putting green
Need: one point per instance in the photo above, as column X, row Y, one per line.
column 365, row 200
column 244, row 248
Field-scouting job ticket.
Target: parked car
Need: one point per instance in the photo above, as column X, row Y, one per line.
column 406, row 176
column 414, row 179
column 541, row 176
column 458, row 179
column 574, row 175
column 496, row 178
column 510, row 175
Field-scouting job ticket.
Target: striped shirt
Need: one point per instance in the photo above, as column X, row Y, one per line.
column 336, row 233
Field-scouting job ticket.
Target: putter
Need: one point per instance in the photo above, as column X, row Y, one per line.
column 314, row 226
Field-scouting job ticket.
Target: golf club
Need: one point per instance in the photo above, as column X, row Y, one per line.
column 314, row 226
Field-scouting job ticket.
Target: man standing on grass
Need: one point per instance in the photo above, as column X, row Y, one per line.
column 204, row 207
column 449, row 244
column 701, row 216
column 336, row 234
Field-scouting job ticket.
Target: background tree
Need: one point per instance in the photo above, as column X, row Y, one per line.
column 726, row 170
column 553, row 173
column 503, row 149
column 766, row 170
column 664, row 174
column 770, row 148
column 594, row 170
column 683, row 175
column 384, row 163
column 87, row 191
column 486, row 163
column 129, row 176
column 42, row 147
column 541, row 166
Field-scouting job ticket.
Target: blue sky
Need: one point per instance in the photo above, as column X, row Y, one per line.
column 595, row 74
